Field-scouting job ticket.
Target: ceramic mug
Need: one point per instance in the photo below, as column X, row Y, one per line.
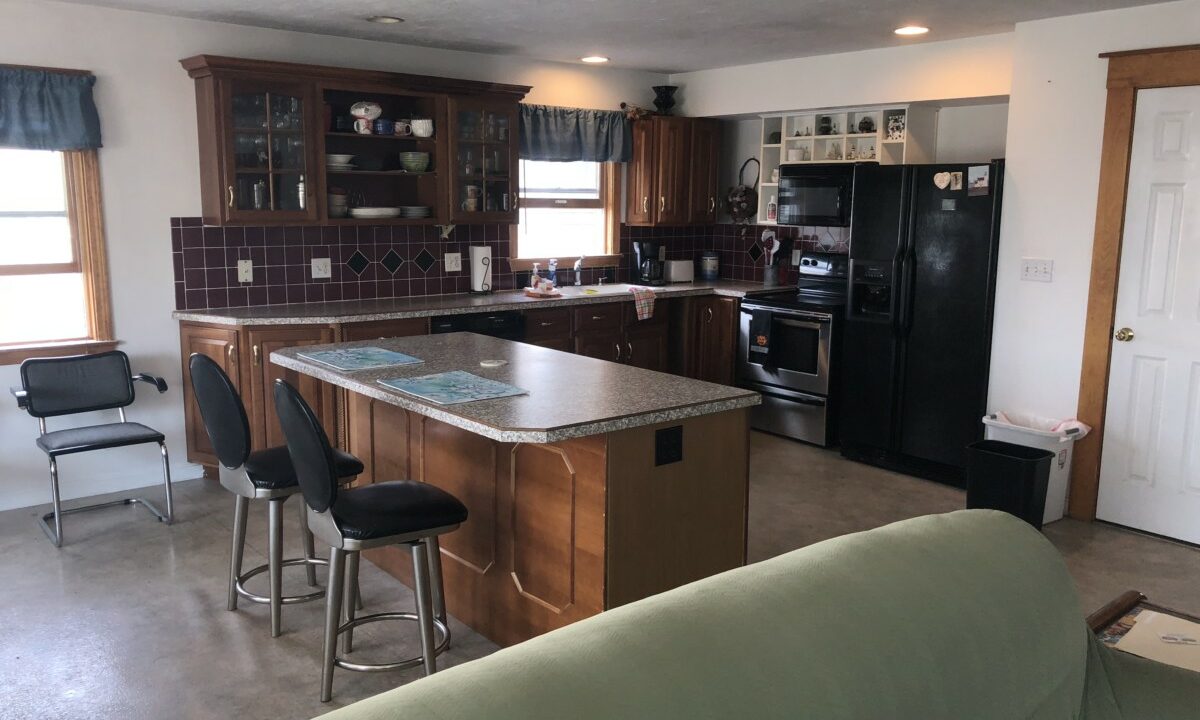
column 422, row 127
column 362, row 126
column 793, row 155
column 471, row 204
column 472, row 191
column 403, row 128
column 384, row 127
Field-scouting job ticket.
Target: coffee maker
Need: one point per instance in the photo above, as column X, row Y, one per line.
column 648, row 267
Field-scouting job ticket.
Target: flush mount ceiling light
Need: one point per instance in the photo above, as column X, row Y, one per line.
column 911, row 30
column 385, row 19
column 594, row 59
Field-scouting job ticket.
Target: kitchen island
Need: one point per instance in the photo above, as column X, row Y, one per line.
column 604, row 484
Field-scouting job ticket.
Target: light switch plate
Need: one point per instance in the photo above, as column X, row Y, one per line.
column 796, row 253
column 245, row 271
column 1037, row 269
column 453, row 262
column 321, row 268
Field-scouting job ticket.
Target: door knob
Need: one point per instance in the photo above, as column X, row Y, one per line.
column 1124, row 335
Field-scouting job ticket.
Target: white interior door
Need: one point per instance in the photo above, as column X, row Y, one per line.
column 1150, row 468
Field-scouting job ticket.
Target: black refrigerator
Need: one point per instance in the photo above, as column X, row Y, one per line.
column 916, row 343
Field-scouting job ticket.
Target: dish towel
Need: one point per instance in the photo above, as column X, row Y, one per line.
column 643, row 302
column 760, row 331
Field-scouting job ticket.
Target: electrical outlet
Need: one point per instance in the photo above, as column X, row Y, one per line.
column 321, row 268
column 245, row 271
column 453, row 262
column 1037, row 269
column 796, row 253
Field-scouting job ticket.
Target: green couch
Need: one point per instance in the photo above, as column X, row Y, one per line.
column 969, row 615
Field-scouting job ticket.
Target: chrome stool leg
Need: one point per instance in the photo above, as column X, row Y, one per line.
column 56, row 535
column 162, row 446
column 435, row 580
column 241, row 504
column 420, row 556
column 333, row 612
column 349, row 601
column 310, row 547
column 275, row 562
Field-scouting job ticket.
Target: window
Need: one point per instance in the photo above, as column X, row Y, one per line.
column 568, row 210
column 53, row 274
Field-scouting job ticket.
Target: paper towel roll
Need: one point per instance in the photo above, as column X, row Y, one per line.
column 481, row 268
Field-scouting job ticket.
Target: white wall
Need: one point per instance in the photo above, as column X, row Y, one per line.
column 971, row 133
column 971, row 68
column 150, row 173
column 1055, row 122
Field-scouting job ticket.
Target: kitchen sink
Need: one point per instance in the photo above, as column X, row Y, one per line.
column 593, row 290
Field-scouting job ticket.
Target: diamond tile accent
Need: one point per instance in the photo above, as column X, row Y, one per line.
column 392, row 261
column 358, row 262
column 755, row 252
column 424, row 260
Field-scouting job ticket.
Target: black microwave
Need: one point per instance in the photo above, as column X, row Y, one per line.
column 817, row 194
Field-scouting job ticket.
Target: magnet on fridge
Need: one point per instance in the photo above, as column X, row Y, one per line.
column 956, row 181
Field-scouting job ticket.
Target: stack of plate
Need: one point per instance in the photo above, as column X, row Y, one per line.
column 414, row 162
column 339, row 162
column 374, row 212
column 415, row 211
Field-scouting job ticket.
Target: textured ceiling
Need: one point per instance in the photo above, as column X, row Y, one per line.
column 663, row 35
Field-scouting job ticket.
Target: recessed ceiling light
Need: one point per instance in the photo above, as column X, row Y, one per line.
column 911, row 30
column 594, row 59
column 385, row 19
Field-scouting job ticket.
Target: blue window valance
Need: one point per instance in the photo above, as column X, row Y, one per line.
column 47, row 110
column 564, row 134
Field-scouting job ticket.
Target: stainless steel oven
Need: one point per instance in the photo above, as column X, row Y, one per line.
column 793, row 376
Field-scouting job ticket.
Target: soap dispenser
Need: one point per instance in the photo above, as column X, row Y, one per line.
column 535, row 276
column 552, row 272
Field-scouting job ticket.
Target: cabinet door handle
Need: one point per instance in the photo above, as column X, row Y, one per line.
column 712, row 205
column 645, row 203
column 231, row 354
column 662, row 203
column 256, row 354
column 708, row 315
column 516, row 200
column 597, row 318
column 231, row 196
column 618, row 347
column 629, row 355
column 545, row 324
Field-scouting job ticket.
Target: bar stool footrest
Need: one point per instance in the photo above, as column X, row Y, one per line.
column 439, row 627
column 286, row 599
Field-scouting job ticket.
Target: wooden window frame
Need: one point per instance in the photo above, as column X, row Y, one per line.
column 1128, row 72
column 610, row 200
column 81, row 170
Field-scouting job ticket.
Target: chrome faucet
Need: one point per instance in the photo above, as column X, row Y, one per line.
column 578, row 268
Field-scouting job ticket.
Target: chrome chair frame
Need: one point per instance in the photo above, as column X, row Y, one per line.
column 55, row 534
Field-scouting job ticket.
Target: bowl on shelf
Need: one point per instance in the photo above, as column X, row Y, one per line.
column 414, row 162
column 422, row 127
column 338, row 158
column 339, row 167
column 415, row 211
column 375, row 212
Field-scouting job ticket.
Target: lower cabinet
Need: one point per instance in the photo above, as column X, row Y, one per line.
column 260, row 405
column 715, row 349
column 550, row 328
column 613, row 332
column 221, row 344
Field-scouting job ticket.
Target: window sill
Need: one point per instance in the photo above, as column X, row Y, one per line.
column 14, row 354
column 591, row 261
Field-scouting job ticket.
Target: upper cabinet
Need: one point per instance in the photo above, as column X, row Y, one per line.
column 484, row 159
column 668, row 179
column 279, row 144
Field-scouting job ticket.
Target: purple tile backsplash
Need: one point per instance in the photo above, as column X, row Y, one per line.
column 380, row 261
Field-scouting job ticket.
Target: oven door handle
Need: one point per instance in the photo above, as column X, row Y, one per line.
column 803, row 325
column 799, row 399
column 783, row 312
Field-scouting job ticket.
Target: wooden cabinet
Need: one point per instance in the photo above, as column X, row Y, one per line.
column 550, row 328
column 668, row 182
column 715, row 339
column 705, row 177
column 613, row 332
column 647, row 342
column 265, row 128
column 376, row 329
column 220, row 344
column 264, row 423
column 599, row 331
column 484, row 165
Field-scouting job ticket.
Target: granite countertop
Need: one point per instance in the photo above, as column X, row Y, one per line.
column 426, row 306
column 570, row 396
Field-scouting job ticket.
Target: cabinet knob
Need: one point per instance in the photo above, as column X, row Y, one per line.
column 256, row 354
column 708, row 315
column 629, row 355
column 645, row 203
column 230, row 196
column 662, row 203
column 231, row 353
column 712, row 205
column 618, row 347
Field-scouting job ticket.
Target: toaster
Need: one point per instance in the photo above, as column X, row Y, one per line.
column 676, row 271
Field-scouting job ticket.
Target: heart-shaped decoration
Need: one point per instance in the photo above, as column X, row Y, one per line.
column 942, row 180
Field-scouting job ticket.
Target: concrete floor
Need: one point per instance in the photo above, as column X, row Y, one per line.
column 128, row 619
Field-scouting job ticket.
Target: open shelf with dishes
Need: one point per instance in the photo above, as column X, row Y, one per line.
column 886, row 134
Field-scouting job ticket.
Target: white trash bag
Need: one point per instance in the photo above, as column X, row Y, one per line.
column 1057, row 436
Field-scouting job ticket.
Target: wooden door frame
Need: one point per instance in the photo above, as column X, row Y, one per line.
column 1128, row 72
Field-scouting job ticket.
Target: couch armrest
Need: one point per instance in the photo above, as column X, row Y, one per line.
column 153, row 380
column 1137, row 688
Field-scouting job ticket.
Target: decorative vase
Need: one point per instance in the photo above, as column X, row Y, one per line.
column 664, row 98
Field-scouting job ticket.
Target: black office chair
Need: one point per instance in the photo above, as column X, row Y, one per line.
column 386, row 513
column 261, row 475
column 51, row 387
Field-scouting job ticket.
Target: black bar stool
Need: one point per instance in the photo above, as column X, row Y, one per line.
column 262, row 475
column 400, row 512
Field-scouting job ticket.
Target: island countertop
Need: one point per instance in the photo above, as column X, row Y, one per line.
column 569, row 396
column 348, row 311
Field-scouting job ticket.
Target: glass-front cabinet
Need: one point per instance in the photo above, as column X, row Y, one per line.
column 268, row 172
column 484, row 176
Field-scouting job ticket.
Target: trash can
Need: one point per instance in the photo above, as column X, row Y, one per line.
column 1008, row 477
column 1057, row 436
